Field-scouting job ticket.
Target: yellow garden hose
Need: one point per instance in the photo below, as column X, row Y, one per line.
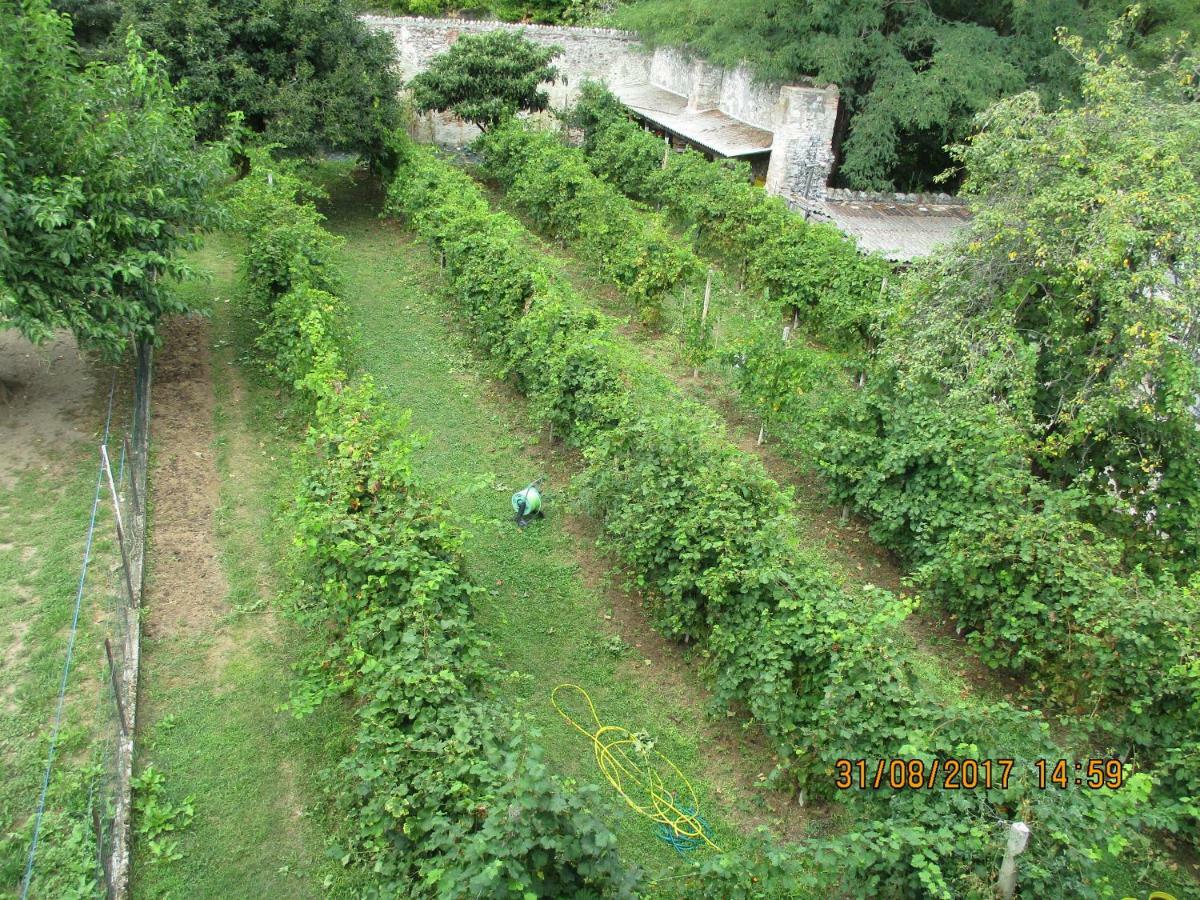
column 636, row 770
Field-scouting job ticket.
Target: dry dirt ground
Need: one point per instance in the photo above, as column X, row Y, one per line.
column 46, row 396
column 186, row 588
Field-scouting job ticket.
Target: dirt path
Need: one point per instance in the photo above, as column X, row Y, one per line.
column 46, row 393
column 186, row 587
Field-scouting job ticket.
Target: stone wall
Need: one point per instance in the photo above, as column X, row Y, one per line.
column 802, row 154
column 801, row 117
column 600, row 54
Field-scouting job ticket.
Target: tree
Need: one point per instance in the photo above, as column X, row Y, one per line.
column 307, row 74
column 94, row 20
column 101, row 185
column 912, row 74
column 1074, row 303
column 487, row 78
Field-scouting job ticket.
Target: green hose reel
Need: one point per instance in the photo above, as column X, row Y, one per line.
column 527, row 503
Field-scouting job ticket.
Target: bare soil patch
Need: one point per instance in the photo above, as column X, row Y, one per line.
column 47, row 392
column 186, row 589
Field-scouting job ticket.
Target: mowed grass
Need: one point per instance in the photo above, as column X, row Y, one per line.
column 44, row 515
column 211, row 719
column 549, row 621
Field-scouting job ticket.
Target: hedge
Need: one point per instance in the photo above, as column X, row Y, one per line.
column 946, row 484
column 710, row 540
column 443, row 793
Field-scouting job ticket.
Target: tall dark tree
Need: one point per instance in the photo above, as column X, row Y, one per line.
column 487, row 78
column 307, row 74
column 912, row 73
column 101, row 185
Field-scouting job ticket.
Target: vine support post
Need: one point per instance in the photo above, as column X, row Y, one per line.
column 116, row 686
column 666, row 150
column 1018, row 837
column 120, row 526
column 704, row 313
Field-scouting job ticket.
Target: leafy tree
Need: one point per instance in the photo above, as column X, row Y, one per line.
column 487, row 78
column 307, row 74
column 1074, row 303
column 101, row 185
column 912, row 75
column 94, row 20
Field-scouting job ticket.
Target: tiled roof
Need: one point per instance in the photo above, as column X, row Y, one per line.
column 897, row 231
column 711, row 128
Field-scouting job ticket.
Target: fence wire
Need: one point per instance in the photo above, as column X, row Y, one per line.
column 108, row 601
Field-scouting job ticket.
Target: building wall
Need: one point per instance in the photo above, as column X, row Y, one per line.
column 800, row 117
column 601, row 54
column 749, row 100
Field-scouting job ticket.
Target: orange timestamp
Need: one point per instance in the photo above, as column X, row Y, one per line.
column 1088, row 773
column 901, row 774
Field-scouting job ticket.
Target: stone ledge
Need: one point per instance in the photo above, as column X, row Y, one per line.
column 846, row 195
column 492, row 24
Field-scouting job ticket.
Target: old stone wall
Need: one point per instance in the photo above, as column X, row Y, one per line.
column 801, row 118
column 600, row 54
column 802, row 153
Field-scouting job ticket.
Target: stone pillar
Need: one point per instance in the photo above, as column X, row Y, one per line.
column 802, row 150
column 704, row 88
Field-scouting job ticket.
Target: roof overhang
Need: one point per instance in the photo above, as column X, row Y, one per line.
column 710, row 128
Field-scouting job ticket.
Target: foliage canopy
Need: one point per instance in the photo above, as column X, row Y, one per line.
column 101, row 185
column 306, row 74
column 912, row 75
column 487, row 78
column 1073, row 305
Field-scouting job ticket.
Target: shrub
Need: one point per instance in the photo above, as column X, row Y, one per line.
column 444, row 795
column 710, row 540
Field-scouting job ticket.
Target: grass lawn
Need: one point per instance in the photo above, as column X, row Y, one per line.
column 50, row 430
column 551, row 614
column 210, row 719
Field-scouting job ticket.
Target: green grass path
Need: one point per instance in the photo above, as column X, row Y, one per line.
column 549, row 619
column 210, row 695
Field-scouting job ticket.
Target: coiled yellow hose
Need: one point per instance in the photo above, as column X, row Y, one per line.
column 634, row 770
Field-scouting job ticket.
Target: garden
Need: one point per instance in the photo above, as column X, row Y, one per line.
column 853, row 579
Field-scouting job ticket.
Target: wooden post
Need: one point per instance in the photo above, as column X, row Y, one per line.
column 1018, row 837
column 101, row 856
column 666, row 149
column 132, row 480
column 762, row 433
column 704, row 314
column 112, row 674
column 787, row 333
column 120, row 527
